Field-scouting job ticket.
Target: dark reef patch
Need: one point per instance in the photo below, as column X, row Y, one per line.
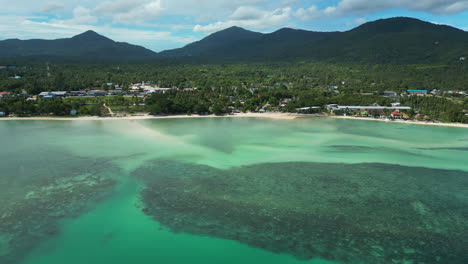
column 37, row 193
column 447, row 148
column 365, row 149
column 371, row 213
column 352, row 148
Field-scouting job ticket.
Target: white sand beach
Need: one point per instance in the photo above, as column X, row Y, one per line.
column 278, row 116
column 409, row 122
column 284, row 116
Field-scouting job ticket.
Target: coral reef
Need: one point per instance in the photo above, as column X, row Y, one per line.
column 354, row 213
column 34, row 199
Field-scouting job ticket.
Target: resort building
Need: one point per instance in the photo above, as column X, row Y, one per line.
column 3, row 94
column 151, row 90
column 335, row 107
column 389, row 94
column 417, row 92
column 309, row 110
column 59, row 93
column 97, row 93
column 78, row 93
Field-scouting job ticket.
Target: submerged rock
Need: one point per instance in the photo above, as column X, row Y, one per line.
column 372, row 213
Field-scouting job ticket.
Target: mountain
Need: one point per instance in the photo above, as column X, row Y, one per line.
column 237, row 43
column 88, row 45
column 394, row 40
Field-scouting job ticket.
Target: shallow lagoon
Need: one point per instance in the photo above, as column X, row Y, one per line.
column 109, row 160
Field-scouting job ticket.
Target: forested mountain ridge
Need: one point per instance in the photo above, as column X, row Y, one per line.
column 394, row 40
column 237, row 43
column 88, row 45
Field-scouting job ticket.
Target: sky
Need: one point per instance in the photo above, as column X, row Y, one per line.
column 167, row 24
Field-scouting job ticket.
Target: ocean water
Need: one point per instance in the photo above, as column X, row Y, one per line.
column 232, row 190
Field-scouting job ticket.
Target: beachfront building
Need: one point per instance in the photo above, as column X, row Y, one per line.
column 151, row 90
column 53, row 94
column 97, row 93
column 3, row 94
column 59, row 93
column 335, row 107
column 309, row 110
column 417, row 92
column 78, row 93
column 396, row 114
column 2, row 114
column 389, row 94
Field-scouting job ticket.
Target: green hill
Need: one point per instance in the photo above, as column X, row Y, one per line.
column 239, row 44
column 394, row 40
column 88, row 45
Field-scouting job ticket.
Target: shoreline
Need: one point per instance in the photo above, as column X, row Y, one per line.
column 408, row 122
column 277, row 116
column 281, row 116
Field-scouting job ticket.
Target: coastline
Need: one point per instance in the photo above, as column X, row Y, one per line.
column 278, row 116
column 281, row 116
column 408, row 122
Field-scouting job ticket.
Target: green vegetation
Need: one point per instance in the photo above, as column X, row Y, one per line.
column 86, row 46
column 219, row 89
column 301, row 76
column 395, row 41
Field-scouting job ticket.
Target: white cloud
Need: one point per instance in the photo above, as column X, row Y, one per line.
column 249, row 17
column 68, row 17
column 361, row 7
column 356, row 22
column 456, row 7
column 24, row 26
column 131, row 11
column 52, row 7
column 246, row 13
column 308, row 14
column 207, row 10
column 82, row 15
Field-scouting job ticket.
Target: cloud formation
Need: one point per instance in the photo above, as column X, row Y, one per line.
column 131, row 11
column 192, row 19
column 249, row 17
column 362, row 7
column 52, row 7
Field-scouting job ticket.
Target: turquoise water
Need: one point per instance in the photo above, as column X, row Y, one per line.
column 48, row 165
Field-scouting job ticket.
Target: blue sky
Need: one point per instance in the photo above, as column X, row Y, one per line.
column 166, row 24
